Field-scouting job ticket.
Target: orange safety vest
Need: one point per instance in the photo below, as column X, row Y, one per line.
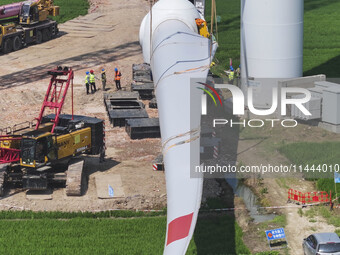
column 117, row 76
column 202, row 28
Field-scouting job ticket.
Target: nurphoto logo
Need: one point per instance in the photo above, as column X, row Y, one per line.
column 239, row 104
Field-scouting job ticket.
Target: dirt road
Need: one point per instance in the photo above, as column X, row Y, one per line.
column 107, row 37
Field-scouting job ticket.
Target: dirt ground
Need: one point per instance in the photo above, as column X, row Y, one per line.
column 105, row 38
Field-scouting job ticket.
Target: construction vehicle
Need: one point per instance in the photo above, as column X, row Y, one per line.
column 25, row 23
column 36, row 156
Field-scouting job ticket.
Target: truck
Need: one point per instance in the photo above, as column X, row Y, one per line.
column 25, row 23
column 48, row 153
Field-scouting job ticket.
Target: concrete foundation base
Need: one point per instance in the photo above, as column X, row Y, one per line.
column 330, row 127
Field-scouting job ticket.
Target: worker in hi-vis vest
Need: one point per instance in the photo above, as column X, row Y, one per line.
column 103, row 79
column 118, row 76
column 93, row 82
column 238, row 72
column 87, row 82
column 202, row 27
column 231, row 75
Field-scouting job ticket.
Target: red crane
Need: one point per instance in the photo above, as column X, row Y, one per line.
column 61, row 79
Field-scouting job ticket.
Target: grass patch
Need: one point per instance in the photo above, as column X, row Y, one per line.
column 337, row 231
column 321, row 39
column 218, row 235
column 328, row 185
column 317, row 154
column 9, row 215
column 214, row 203
column 83, row 236
column 268, row 253
column 228, row 34
column 68, row 9
column 279, row 221
column 332, row 217
column 99, row 233
column 71, row 9
column 282, row 182
column 304, row 153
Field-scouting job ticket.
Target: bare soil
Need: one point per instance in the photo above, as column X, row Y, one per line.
column 105, row 38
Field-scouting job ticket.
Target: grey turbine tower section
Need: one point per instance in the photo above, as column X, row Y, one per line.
column 178, row 54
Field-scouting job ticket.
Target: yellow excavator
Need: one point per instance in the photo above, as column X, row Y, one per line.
column 38, row 156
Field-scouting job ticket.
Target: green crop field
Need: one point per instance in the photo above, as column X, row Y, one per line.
column 316, row 154
column 69, row 9
column 321, row 36
column 86, row 233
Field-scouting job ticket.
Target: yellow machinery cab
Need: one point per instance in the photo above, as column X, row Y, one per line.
column 39, row 148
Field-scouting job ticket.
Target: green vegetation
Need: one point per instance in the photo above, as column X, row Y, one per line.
column 312, row 153
column 282, row 182
column 316, row 154
column 228, row 35
column 321, row 37
column 100, row 233
column 68, row 9
column 279, row 221
column 83, row 236
column 264, row 191
column 328, row 185
column 337, row 231
column 332, row 217
column 268, row 253
column 214, row 203
column 71, row 9
column 217, row 234
column 8, row 215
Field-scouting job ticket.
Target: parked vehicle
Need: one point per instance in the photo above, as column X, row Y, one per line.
column 25, row 23
column 321, row 244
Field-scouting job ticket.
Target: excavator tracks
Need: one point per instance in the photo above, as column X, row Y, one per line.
column 74, row 178
column 3, row 171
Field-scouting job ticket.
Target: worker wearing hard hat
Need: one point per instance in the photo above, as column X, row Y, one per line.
column 87, row 82
column 103, row 79
column 93, row 82
column 118, row 76
column 202, row 27
column 238, row 72
column 231, row 75
column 238, row 76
